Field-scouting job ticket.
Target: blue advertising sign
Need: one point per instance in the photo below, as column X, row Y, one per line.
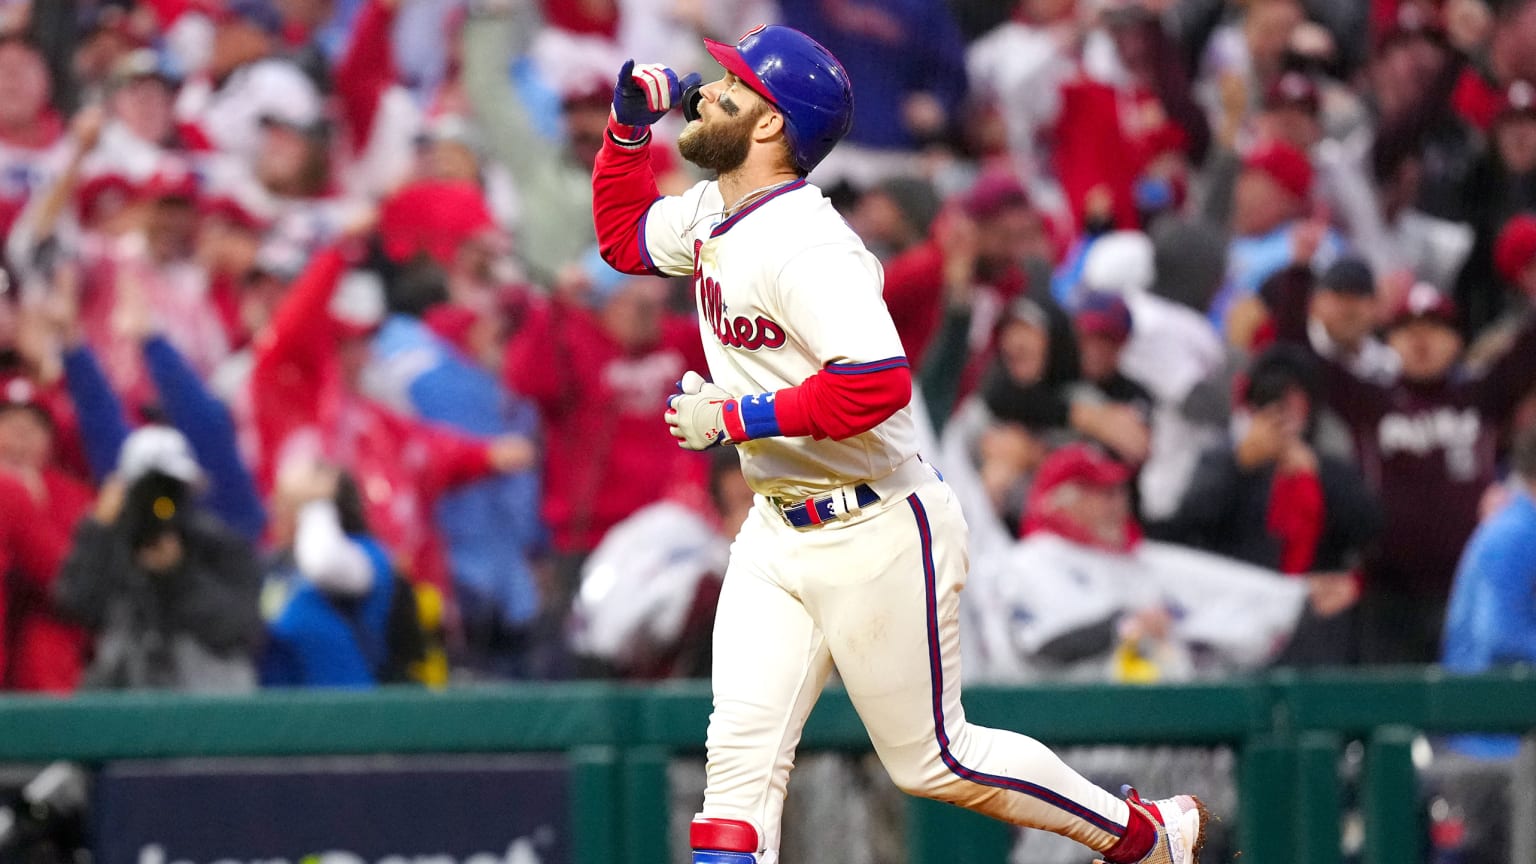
column 343, row 810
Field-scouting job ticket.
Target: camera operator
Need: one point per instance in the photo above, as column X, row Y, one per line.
column 169, row 593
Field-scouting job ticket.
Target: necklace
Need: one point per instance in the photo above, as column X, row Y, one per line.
column 741, row 202
column 754, row 195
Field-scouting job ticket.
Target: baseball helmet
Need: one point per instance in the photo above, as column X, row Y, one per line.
column 801, row 79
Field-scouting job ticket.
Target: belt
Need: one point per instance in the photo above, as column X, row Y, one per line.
column 825, row 508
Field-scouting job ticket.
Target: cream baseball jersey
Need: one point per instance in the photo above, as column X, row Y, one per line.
column 784, row 290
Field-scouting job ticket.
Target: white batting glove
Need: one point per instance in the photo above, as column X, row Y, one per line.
column 697, row 413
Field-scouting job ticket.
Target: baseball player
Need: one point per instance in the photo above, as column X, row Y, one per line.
column 855, row 551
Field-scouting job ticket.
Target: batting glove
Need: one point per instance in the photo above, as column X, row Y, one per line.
column 697, row 413
column 644, row 94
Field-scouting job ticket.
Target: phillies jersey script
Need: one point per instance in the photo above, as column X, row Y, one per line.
column 785, row 289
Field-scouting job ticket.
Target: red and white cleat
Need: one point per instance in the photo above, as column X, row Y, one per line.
column 1180, row 823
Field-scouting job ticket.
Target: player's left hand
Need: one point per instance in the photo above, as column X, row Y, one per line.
column 697, row 413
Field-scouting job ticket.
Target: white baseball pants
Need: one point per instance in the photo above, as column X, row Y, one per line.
column 876, row 595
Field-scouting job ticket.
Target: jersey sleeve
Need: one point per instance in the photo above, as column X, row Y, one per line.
column 665, row 228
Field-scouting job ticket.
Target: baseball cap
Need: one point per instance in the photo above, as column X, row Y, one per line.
column 994, row 192
column 1424, row 302
column 232, row 211
column 1287, row 166
column 159, row 449
column 109, row 193
column 1103, row 314
column 1516, row 246
column 433, row 217
column 1293, row 90
column 357, row 307
column 171, row 182
column 1079, row 463
column 141, row 63
column 1351, row 276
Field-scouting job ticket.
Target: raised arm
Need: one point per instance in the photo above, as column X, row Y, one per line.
column 210, row 429
column 638, row 231
column 1511, row 375
column 103, row 422
column 367, row 68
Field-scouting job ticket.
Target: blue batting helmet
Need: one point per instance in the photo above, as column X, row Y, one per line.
column 801, row 79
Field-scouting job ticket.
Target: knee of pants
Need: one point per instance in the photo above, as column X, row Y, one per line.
column 920, row 772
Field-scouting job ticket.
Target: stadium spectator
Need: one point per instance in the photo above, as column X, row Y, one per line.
column 1491, row 623
column 1429, row 435
column 1172, row 351
column 597, row 374
column 979, row 256
column 1083, row 596
column 308, row 401
column 1271, row 499
column 30, row 129
column 341, row 617
column 1270, row 223
column 648, row 592
column 46, row 652
column 439, row 361
column 167, row 591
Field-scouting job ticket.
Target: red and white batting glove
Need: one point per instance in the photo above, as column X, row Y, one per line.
column 697, row 413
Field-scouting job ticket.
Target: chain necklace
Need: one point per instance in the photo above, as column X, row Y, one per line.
column 743, row 201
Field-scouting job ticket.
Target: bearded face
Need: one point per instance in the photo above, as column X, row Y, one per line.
column 720, row 143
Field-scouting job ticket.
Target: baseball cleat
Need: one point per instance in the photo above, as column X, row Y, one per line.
column 1180, row 823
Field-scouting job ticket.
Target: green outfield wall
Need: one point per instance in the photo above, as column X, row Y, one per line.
column 1288, row 730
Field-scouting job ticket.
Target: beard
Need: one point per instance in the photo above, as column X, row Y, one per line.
column 720, row 145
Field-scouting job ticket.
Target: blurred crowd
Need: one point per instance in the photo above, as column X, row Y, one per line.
column 311, row 374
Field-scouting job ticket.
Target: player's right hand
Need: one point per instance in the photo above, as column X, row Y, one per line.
column 644, row 94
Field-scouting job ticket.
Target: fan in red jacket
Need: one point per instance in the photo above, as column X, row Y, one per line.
column 308, row 405
column 597, row 376
column 39, row 506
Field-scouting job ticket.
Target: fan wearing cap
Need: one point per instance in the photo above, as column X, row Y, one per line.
column 1103, row 324
column 982, row 252
column 308, row 402
column 1343, row 316
column 155, row 273
column 1270, row 208
column 810, row 382
column 1082, row 596
column 1510, row 56
column 46, row 650
column 247, row 81
column 1291, row 108
column 1431, row 434
column 168, row 592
